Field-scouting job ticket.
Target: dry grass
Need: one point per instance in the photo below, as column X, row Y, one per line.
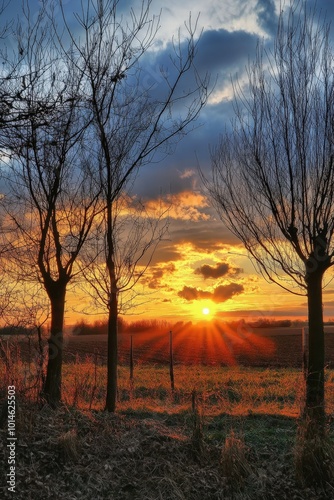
column 235, row 464
column 222, row 433
column 68, row 445
column 72, row 454
column 196, row 423
column 233, row 390
column 314, row 456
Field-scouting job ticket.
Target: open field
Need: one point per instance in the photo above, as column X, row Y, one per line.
column 262, row 347
column 232, row 439
column 277, row 347
column 224, row 433
column 234, row 391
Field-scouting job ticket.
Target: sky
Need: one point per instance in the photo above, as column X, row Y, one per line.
column 200, row 264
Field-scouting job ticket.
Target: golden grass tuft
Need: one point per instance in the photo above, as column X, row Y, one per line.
column 314, row 457
column 234, row 462
column 68, row 445
column 197, row 438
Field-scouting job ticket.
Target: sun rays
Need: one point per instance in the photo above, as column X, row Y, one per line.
column 208, row 343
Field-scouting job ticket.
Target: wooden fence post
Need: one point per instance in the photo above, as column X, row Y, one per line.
column 131, row 360
column 171, row 360
column 304, row 352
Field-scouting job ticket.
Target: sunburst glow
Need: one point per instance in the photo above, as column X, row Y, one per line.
column 206, row 311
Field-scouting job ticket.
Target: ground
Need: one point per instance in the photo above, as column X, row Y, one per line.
column 224, row 433
column 71, row 454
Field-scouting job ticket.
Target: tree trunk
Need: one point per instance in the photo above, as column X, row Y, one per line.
column 112, row 354
column 315, row 386
column 52, row 387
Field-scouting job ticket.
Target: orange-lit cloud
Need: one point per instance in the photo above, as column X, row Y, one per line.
column 220, row 294
column 154, row 281
column 185, row 206
column 218, row 271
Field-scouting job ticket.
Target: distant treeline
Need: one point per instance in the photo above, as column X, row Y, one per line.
column 156, row 326
column 270, row 323
column 101, row 327
column 17, row 330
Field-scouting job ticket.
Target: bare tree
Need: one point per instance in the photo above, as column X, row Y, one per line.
column 51, row 196
column 131, row 126
column 273, row 174
column 135, row 236
column 5, row 27
column 137, row 232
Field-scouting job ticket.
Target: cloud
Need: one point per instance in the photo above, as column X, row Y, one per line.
column 218, row 52
column 204, row 236
column 166, row 252
column 220, row 294
column 253, row 314
column 329, row 303
column 221, row 50
column 186, row 206
column 187, row 173
column 225, row 292
column 267, row 16
column 190, row 293
column 154, row 281
column 218, row 271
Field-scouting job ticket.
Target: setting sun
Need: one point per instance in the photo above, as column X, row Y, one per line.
column 206, row 311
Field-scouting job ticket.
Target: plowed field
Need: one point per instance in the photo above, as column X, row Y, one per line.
column 262, row 347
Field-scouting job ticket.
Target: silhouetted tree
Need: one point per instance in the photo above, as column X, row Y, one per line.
column 273, row 174
column 50, row 195
column 136, row 233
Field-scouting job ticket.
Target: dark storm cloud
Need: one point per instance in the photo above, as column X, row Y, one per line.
column 218, row 52
column 218, row 271
column 220, row 294
column 267, row 16
column 223, row 51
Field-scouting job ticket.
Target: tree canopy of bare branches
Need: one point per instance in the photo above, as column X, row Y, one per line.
column 273, row 173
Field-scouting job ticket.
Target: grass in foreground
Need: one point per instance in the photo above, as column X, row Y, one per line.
column 233, row 390
column 148, row 455
column 224, row 433
column 237, row 390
